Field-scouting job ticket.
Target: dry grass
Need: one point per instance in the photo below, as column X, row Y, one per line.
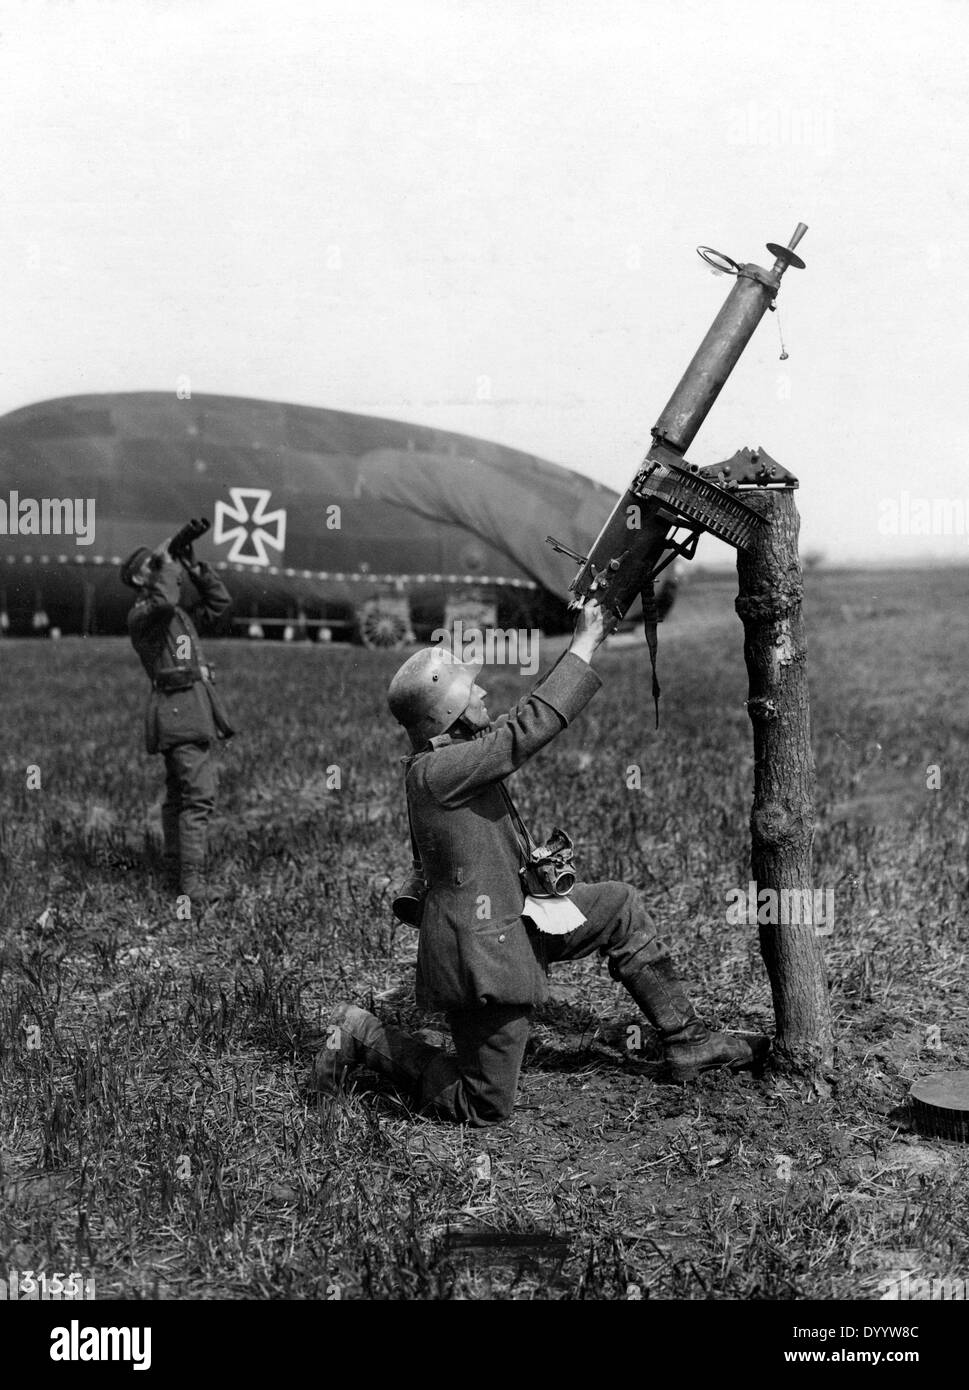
column 158, row 1136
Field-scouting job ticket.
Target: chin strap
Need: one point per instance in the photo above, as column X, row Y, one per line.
column 472, row 730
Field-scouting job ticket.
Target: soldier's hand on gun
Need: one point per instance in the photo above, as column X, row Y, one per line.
column 591, row 630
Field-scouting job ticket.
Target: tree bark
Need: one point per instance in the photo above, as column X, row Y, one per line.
column 782, row 817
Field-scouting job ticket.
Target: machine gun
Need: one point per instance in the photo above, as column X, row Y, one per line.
column 668, row 493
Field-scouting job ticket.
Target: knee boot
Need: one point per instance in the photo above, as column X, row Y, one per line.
column 170, row 852
column 689, row 1047
column 192, row 885
column 356, row 1038
column 169, row 817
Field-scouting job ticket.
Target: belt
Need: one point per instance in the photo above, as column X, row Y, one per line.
column 181, row 678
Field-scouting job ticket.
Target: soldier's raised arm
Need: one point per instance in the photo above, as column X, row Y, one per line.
column 214, row 595
column 459, row 769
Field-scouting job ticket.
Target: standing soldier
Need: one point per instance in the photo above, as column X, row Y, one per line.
column 184, row 713
column 480, row 957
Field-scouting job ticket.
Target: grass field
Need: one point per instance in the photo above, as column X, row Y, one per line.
column 155, row 1131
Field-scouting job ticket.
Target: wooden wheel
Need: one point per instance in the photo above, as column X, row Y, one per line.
column 385, row 624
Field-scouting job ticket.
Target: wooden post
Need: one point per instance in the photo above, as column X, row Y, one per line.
column 782, row 817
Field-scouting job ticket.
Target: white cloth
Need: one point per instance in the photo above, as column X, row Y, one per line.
column 556, row 916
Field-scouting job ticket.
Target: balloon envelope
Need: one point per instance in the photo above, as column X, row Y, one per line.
column 316, row 513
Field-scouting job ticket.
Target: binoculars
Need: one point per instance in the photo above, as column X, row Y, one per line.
column 185, row 538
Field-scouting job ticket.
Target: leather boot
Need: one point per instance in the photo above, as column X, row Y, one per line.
column 689, row 1047
column 170, row 834
column 170, row 873
column 354, row 1037
column 191, row 885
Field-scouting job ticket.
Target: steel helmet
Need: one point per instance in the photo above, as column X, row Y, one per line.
column 430, row 691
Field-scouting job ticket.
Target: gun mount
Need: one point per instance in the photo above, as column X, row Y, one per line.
column 668, row 493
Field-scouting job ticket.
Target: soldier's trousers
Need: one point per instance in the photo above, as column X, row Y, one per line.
column 477, row 1087
column 190, row 789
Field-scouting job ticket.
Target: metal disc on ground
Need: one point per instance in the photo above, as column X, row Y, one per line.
column 940, row 1104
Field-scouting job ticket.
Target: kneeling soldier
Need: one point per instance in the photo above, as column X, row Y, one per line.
column 184, row 713
column 488, row 976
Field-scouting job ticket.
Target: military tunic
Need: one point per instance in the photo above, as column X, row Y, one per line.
column 475, row 947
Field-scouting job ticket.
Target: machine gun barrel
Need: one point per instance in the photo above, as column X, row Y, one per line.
column 637, row 540
column 720, row 350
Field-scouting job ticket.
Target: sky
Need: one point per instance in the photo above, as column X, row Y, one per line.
column 483, row 217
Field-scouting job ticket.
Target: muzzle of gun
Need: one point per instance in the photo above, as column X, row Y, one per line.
column 669, row 494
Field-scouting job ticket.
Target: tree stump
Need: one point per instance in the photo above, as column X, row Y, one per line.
column 782, row 817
